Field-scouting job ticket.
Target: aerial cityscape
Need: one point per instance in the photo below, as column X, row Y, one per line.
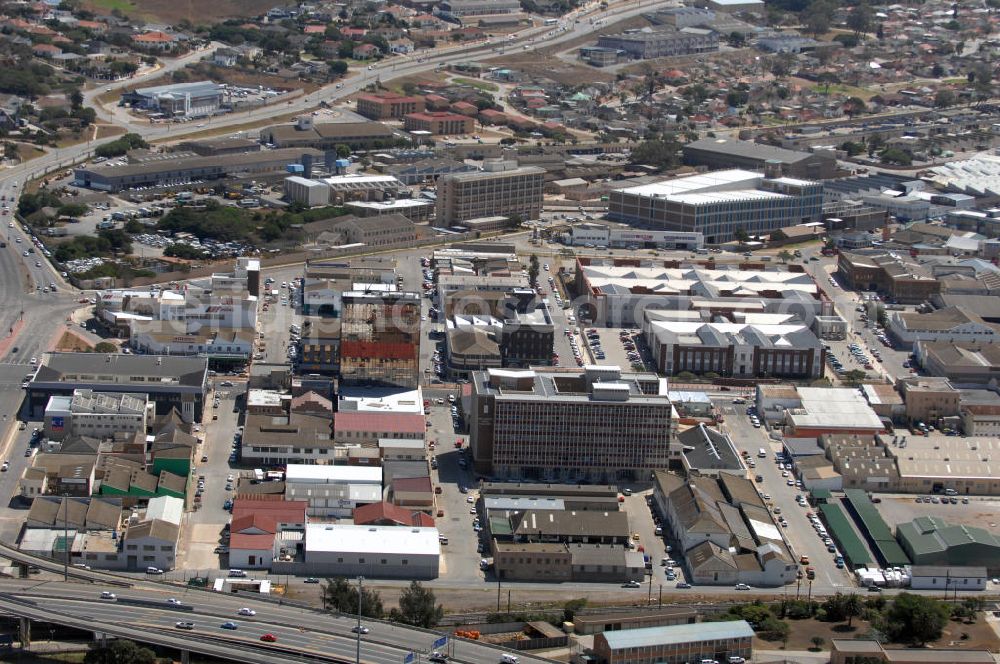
column 500, row 331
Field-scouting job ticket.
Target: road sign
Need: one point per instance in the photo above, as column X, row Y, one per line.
column 440, row 643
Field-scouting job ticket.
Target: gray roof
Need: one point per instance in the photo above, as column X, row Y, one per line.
column 747, row 149
column 678, row 634
column 90, row 368
column 196, row 89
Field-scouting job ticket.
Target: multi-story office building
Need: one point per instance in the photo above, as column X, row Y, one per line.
column 171, row 382
column 95, row 414
column 388, row 106
column 502, row 189
column 438, row 123
column 380, row 338
column 718, row 204
column 662, row 42
column 590, row 424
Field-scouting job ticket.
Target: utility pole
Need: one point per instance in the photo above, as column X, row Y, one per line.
column 357, row 660
column 66, row 536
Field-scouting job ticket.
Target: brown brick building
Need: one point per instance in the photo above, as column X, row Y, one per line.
column 892, row 275
column 388, row 106
column 438, row 123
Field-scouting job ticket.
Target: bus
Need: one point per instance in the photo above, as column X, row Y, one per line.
column 551, row 21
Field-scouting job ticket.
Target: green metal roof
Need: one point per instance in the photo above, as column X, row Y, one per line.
column 851, row 546
column 822, row 494
column 928, row 535
column 876, row 530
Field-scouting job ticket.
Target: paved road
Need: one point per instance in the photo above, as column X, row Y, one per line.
column 299, row 629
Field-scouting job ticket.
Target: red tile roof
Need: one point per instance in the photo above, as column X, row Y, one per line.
column 252, row 542
column 387, row 512
column 390, row 423
column 153, row 37
column 266, row 514
column 412, row 484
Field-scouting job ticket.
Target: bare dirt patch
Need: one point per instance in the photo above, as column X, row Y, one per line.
column 173, row 11
column 71, row 342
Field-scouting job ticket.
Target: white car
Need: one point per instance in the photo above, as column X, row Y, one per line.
column 246, row 611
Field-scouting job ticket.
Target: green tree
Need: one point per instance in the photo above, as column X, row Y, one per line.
column 338, row 68
column 854, row 376
column 784, row 255
column 571, row 607
column 659, row 152
column 853, row 607
column 896, row 156
column 533, row 269
column 916, row 619
column 105, row 347
column 777, row 235
column 119, row 651
column 817, row 642
column 860, row 18
column 340, row 595
column 343, row 151
column 817, row 17
column 417, row 606
column 944, row 98
column 772, row 629
column 853, row 106
column 741, row 235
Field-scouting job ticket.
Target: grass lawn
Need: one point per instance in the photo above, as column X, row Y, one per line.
column 111, row 5
column 847, row 90
column 479, row 85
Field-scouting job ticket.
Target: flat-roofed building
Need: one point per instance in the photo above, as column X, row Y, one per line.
column 502, row 189
column 718, row 203
column 662, row 42
column 370, row 551
column 388, row 106
column 723, row 153
column 928, row 399
column 380, row 339
column 831, row 410
column 328, row 135
column 438, row 123
column 847, row 651
column 96, row 414
column 185, row 169
column 623, row 423
column 190, row 100
column 676, row 644
column 170, row 382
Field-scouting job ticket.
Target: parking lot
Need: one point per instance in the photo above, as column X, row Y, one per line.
column 777, row 488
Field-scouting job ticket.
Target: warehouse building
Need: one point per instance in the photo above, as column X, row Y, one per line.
column 724, row 153
column 328, row 135
column 930, row 540
column 602, row 235
column 171, row 382
column 375, row 552
column 677, row 644
column 182, row 100
column 719, row 203
column 183, row 170
column 662, row 42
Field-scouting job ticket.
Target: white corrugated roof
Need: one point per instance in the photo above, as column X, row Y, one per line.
column 371, row 539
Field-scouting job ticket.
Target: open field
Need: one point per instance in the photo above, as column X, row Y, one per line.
column 172, row 11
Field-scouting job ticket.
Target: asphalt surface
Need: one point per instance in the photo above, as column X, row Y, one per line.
column 300, row 630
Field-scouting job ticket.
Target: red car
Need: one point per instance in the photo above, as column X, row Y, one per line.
column 270, row 638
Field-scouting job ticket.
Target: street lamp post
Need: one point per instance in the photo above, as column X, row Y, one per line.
column 66, row 536
column 357, row 660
